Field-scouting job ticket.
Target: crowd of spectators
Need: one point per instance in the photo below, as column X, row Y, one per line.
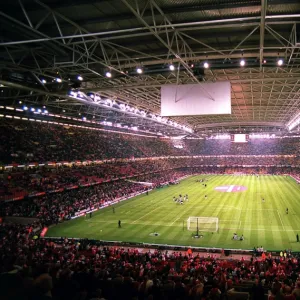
column 83, row 270
column 62, row 269
column 156, row 147
column 18, row 183
column 38, row 142
column 238, row 161
column 272, row 146
column 65, row 203
column 25, row 142
column 171, row 177
column 55, row 207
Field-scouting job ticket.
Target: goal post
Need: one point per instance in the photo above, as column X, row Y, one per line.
column 210, row 224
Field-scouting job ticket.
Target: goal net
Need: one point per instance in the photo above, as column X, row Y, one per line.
column 204, row 223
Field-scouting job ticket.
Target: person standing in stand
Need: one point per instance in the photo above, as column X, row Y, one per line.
column 119, row 224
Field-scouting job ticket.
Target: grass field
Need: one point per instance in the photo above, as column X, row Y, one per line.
column 244, row 212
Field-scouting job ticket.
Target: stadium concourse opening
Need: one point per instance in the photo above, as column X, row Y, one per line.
column 149, row 150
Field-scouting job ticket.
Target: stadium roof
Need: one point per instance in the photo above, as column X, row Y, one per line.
column 49, row 39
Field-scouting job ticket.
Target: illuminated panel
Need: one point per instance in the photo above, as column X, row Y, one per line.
column 213, row 98
column 239, row 138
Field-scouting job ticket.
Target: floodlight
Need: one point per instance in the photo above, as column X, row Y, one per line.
column 71, row 93
column 108, row 74
column 206, row 65
column 280, row 62
column 172, row 67
column 44, row 81
column 139, row 70
column 58, row 80
column 79, row 78
column 242, row 62
column 32, row 109
column 20, row 102
column 25, row 107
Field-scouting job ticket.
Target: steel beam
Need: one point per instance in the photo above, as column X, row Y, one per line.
column 58, row 27
column 46, row 38
column 25, row 13
column 183, row 63
column 148, row 85
column 42, row 20
column 235, row 21
column 246, row 123
column 242, row 41
column 264, row 6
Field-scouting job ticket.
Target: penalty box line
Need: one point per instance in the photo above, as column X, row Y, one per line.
column 280, row 219
column 229, row 207
column 134, row 223
column 238, row 222
column 151, row 211
column 158, row 224
column 265, row 229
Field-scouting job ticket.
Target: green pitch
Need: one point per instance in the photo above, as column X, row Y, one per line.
column 262, row 223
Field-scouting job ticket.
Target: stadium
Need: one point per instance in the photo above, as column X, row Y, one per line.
column 150, row 149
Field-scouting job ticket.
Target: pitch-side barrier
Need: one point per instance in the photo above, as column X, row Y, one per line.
column 164, row 247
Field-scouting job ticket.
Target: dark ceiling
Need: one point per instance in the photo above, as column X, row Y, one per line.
column 48, row 39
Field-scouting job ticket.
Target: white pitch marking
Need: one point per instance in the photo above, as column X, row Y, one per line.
column 280, row 219
column 260, row 209
column 146, row 214
column 221, row 188
column 174, row 221
column 231, row 222
column 230, row 188
column 227, row 228
column 263, row 229
column 140, row 223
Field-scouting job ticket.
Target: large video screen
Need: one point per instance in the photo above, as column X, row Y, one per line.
column 212, row 98
column 239, row 138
